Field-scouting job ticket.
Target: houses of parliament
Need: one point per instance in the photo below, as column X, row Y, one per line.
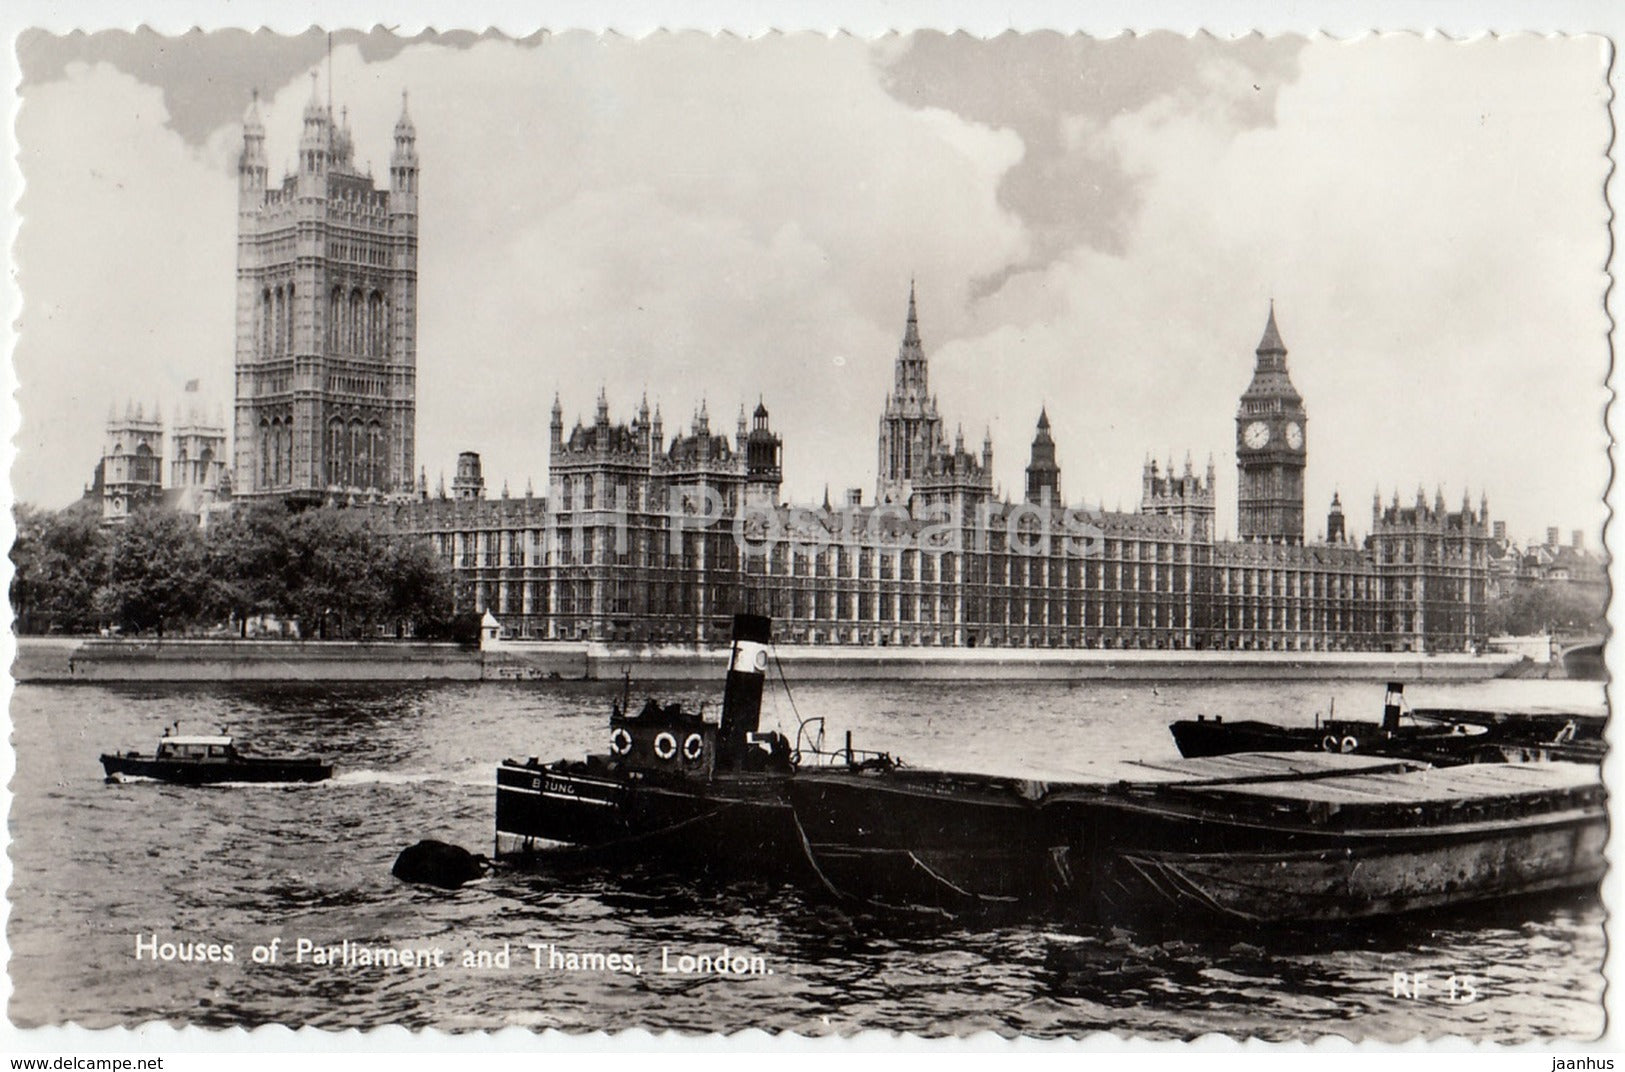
column 646, row 534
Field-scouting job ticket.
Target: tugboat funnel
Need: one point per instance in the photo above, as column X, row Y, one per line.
column 747, row 672
column 1391, row 706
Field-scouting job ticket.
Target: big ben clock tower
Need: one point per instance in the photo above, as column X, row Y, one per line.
column 1270, row 448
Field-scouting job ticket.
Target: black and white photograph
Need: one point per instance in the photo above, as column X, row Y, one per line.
column 1049, row 534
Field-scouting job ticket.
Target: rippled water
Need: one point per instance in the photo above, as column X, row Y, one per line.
column 96, row 865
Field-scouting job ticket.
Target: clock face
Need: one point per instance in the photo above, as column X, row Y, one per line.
column 1294, row 436
column 1256, row 435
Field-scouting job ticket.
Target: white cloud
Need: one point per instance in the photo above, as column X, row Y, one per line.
column 121, row 277
column 1429, row 218
column 717, row 218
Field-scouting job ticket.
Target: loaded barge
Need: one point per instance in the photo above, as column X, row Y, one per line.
column 1440, row 736
column 1266, row 837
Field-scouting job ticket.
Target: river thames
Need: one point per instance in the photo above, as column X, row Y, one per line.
column 109, row 876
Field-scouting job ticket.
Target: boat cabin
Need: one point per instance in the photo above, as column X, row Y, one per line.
column 196, row 748
column 668, row 739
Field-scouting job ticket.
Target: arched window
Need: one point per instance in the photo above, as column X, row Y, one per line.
column 287, row 337
column 335, row 317
column 357, row 314
column 278, row 318
column 358, row 453
column 375, row 325
column 375, row 451
column 265, row 454
column 335, row 452
column 286, row 453
column 267, row 319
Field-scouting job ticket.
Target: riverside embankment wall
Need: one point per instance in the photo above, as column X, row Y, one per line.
column 812, row 663
column 56, row 660
column 99, row 660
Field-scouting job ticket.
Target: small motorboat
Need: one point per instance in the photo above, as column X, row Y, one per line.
column 210, row 759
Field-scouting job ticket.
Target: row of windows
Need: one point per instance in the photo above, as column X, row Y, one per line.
column 358, row 322
column 276, row 452
column 677, row 611
column 357, row 455
column 274, row 320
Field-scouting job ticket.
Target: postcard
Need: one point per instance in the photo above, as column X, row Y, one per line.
column 1059, row 535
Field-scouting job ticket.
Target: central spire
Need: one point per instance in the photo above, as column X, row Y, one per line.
column 1271, row 342
column 911, row 331
column 911, row 370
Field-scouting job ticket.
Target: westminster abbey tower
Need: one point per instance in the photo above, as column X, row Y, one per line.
column 326, row 317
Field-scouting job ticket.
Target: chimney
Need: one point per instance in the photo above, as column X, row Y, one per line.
column 742, row 694
column 854, row 496
column 1551, row 536
column 1579, row 540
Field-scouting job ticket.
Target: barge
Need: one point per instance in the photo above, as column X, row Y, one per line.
column 1294, row 838
column 1440, row 736
column 1348, row 838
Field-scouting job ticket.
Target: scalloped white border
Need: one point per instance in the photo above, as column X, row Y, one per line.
column 269, row 1047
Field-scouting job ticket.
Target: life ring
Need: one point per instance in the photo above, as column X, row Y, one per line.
column 1329, row 742
column 693, row 747
column 620, row 742
column 1349, row 744
column 665, row 746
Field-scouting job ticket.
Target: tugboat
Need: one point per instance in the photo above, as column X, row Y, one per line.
column 210, row 759
column 672, row 784
column 725, row 798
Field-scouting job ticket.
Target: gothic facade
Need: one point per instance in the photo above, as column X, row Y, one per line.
column 326, row 355
column 915, row 461
column 132, row 468
column 130, row 474
column 642, row 539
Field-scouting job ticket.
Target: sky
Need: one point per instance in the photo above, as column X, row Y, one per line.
column 1095, row 227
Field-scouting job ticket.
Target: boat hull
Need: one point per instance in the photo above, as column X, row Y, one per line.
column 1362, row 881
column 193, row 772
column 1338, row 846
column 925, row 840
column 1451, row 738
column 725, row 824
column 880, row 838
column 1269, row 838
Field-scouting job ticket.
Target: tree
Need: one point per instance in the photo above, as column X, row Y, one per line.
column 351, row 573
column 1547, row 607
column 339, row 572
column 60, row 561
column 331, row 586
column 246, row 561
column 417, row 584
column 155, row 572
